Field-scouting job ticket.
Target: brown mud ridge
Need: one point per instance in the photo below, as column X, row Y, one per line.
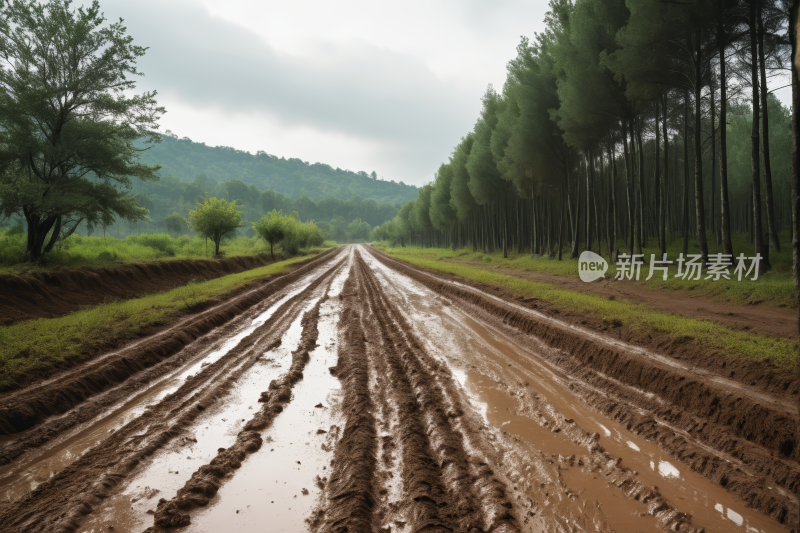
column 60, row 292
column 740, row 428
column 205, row 482
column 22, row 410
column 60, row 504
column 408, row 426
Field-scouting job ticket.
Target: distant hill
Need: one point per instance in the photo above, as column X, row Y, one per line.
column 294, row 178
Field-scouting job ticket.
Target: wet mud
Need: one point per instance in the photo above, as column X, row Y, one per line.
column 741, row 438
column 364, row 395
column 24, row 409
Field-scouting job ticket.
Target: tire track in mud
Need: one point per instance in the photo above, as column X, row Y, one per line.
column 206, row 481
column 442, row 490
column 60, row 503
column 25, row 409
column 726, row 435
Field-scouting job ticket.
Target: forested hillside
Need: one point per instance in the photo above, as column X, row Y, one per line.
column 292, row 177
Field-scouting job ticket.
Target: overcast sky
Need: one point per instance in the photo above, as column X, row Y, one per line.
column 360, row 85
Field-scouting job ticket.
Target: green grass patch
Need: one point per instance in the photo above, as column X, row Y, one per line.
column 32, row 349
column 105, row 252
column 703, row 334
column 775, row 287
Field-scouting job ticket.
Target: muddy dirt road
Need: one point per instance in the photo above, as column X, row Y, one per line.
column 359, row 394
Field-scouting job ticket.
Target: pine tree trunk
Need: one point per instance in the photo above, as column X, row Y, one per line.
column 576, row 230
column 588, row 206
column 758, row 231
column 593, row 193
column 613, row 249
column 657, row 185
column 640, row 234
column 699, row 198
column 713, row 194
column 773, row 231
column 561, row 224
column 794, row 21
column 724, row 203
column 685, row 172
column 628, row 185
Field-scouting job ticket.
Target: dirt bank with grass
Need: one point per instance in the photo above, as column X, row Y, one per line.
column 36, row 349
column 756, row 316
column 63, row 291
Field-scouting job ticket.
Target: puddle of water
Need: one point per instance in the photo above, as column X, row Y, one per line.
column 169, row 468
column 489, row 365
column 26, row 474
column 278, row 485
column 217, row 428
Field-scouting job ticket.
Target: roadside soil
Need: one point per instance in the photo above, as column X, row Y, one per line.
column 363, row 394
column 22, row 409
column 757, row 318
column 60, row 292
column 762, row 375
column 740, row 428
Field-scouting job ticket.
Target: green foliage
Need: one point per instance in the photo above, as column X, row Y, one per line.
column 68, row 120
column 358, row 231
column 175, row 224
column 291, row 178
column 214, row 218
column 271, row 228
column 442, row 214
column 299, row 235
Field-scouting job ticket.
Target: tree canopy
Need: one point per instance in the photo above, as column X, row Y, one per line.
column 69, row 121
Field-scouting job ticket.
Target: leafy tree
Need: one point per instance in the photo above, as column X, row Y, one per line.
column 442, row 215
column 419, row 217
column 175, row 223
column 272, row 228
column 339, row 228
column 68, row 120
column 215, row 218
column 358, row 231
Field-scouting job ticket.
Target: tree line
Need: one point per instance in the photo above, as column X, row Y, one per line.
column 170, row 197
column 625, row 122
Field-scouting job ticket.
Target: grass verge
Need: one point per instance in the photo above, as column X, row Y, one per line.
column 774, row 288
column 34, row 348
column 107, row 252
column 782, row 353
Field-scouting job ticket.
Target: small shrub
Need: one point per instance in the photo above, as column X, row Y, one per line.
column 105, row 255
column 487, row 259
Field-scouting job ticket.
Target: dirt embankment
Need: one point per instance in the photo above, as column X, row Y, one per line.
column 64, row 499
column 58, row 293
column 735, row 422
column 21, row 410
column 755, row 317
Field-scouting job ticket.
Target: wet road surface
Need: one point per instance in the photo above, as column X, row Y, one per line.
column 404, row 411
